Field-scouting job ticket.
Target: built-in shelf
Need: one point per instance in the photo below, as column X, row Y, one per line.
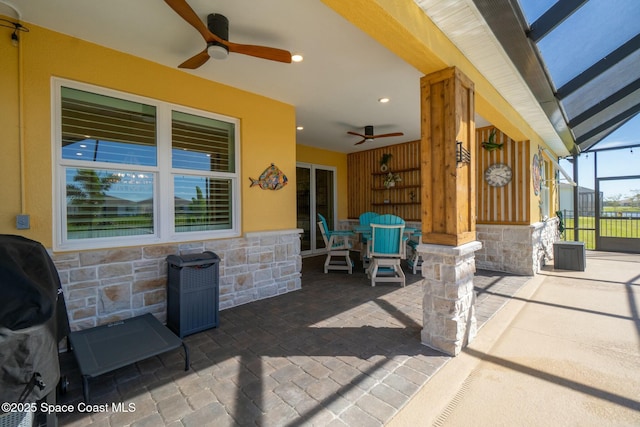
column 395, row 203
column 396, row 187
column 395, row 171
column 402, row 199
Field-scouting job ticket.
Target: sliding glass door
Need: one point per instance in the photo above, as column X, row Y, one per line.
column 316, row 194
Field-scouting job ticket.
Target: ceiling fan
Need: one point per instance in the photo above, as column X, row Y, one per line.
column 216, row 34
column 369, row 136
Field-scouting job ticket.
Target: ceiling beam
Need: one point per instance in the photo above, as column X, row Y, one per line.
column 552, row 18
column 599, row 67
column 605, row 103
column 611, row 123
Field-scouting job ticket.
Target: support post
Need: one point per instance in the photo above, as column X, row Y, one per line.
column 576, row 200
column 448, row 190
column 449, row 298
column 448, row 156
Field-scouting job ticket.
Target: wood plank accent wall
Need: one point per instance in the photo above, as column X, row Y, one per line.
column 366, row 192
column 506, row 205
column 448, row 188
column 509, row 204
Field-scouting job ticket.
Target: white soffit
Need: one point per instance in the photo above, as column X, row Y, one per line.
column 463, row 24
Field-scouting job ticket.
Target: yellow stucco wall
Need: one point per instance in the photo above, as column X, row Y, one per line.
column 267, row 127
column 426, row 48
column 318, row 156
column 9, row 124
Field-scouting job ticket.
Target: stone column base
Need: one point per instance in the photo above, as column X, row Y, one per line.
column 449, row 321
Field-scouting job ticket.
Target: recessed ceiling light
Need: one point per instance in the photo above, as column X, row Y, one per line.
column 83, row 145
column 297, row 58
column 299, row 127
column 383, row 100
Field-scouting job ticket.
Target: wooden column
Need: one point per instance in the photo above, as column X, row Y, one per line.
column 448, row 186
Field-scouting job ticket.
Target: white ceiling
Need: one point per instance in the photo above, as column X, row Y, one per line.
column 334, row 90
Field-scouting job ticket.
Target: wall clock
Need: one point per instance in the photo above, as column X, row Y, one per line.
column 498, row 175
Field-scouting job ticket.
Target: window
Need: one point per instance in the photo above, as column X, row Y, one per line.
column 133, row 170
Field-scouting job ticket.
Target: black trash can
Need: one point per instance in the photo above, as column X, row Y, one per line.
column 193, row 292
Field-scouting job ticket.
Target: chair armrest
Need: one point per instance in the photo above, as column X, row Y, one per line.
column 340, row 239
column 341, row 233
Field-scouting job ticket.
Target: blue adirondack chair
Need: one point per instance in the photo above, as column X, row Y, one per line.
column 364, row 228
column 414, row 260
column 338, row 245
column 366, row 218
column 386, row 249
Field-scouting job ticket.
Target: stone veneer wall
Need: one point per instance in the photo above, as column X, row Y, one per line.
column 101, row 286
column 448, row 305
column 519, row 249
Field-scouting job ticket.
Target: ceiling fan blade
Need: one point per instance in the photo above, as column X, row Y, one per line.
column 195, row 61
column 187, row 13
column 356, row 134
column 368, row 135
column 384, row 135
column 263, row 52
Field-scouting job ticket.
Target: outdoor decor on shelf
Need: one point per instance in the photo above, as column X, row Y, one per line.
column 384, row 161
column 390, row 179
column 271, row 179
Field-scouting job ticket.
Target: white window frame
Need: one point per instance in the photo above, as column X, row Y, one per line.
column 163, row 201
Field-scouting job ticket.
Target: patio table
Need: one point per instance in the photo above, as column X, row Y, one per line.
column 365, row 230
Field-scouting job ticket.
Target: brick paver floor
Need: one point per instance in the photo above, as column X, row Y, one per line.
column 338, row 352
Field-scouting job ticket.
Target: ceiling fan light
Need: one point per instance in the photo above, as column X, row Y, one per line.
column 217, row 52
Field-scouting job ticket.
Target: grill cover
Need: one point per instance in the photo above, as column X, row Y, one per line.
column 33, row 319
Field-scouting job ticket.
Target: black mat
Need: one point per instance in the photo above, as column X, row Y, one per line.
column 108, row 347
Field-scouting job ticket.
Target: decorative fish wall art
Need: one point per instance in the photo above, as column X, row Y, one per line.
column 271, row 179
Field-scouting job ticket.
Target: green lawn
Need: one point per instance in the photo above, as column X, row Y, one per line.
column 609, row 227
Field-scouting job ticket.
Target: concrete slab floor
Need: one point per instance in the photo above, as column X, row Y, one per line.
column 564, row 351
